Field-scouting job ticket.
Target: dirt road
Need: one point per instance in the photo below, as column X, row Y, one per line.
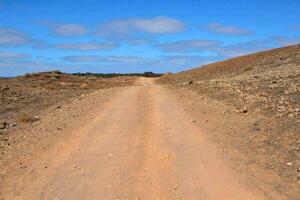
column 143, row 145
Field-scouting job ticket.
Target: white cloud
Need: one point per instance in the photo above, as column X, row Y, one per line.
column 134, row 41
column 159, row 25
column 244, row 48
column 104, row 59
column 87, row 46
column 65, row 29
column 227, row 30
column 162, row 64
column 156, row 25
column 13, row 37
column 230, row 50
column 190, row 46
column 13, row 55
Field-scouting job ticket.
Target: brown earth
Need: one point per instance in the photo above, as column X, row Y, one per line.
column 252, row 104
column 25, row 99
column 137, row 142
column 208, row 133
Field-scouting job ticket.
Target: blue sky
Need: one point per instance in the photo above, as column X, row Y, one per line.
column 137, row 36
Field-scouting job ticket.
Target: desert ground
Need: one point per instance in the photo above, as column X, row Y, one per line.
column 225, row 131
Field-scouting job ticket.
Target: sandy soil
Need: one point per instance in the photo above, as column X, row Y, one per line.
column 138, row 142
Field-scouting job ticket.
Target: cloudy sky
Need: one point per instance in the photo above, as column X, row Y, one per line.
column 138, row 35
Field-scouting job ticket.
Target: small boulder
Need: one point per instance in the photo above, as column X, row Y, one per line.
column 3, row 125
column 244, row 109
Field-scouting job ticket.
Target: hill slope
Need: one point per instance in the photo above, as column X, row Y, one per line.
column 259, row 62
column 253, row 106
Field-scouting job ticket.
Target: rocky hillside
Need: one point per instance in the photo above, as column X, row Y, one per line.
column 261, row 93
column 266, row 82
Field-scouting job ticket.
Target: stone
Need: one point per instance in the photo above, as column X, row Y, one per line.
column 289, row 164
column 245, row 109
column 281, row 108
column 3, row 125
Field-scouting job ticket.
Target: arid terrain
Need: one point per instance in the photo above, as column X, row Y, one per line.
column 227, row 130
column 252, row 105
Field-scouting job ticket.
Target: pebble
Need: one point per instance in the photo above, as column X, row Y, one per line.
column 3, row 125
column 289, row 164
column 243, row 110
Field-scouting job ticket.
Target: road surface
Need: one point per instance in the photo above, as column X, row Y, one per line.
column 142, row 146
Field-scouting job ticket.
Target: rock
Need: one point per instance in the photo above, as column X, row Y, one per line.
column 83, row 85
column 281, row 108
column 244, row 109
column 289, row 164
column 191, row 82
column 2, row 125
